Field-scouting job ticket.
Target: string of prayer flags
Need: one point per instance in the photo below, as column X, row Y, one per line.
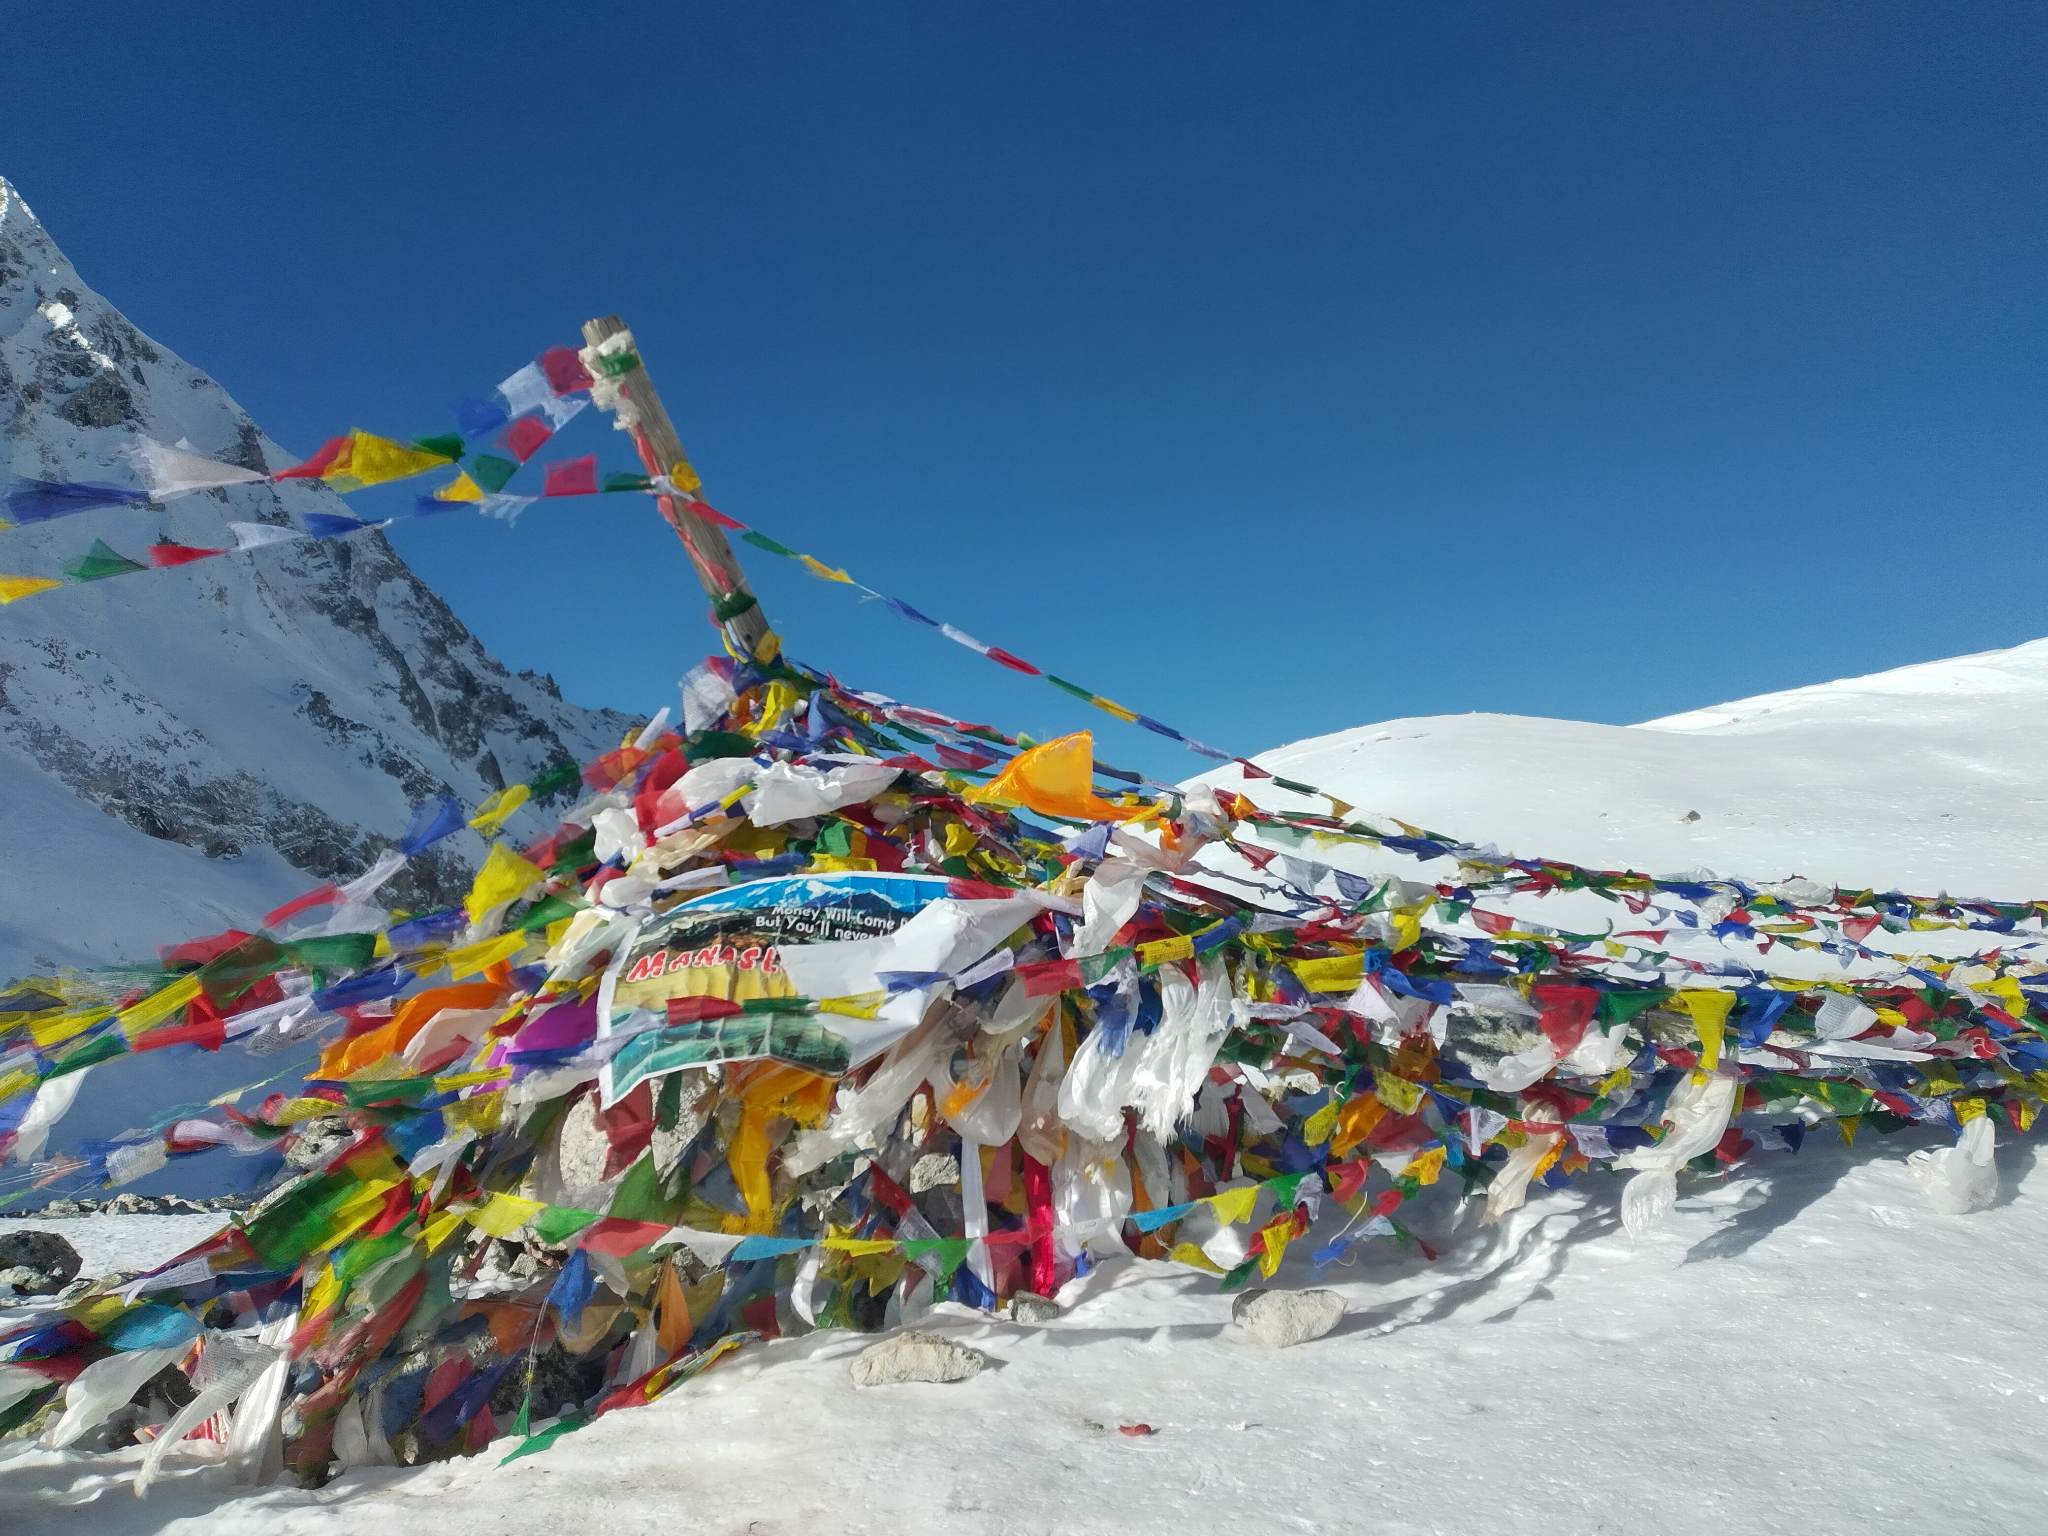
column 784, row 887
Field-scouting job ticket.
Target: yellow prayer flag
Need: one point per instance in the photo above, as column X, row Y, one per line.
column 1315, row 1130
column 504, row 877
column 1180, row 946
column 1407, row 929
column 374, row 460
column 1333, row 973
column 860, row 1247
column 325, row 1293
column 864, row 1005
column 1194, row 1258
column 159, row 1005
column 47, row 1032
column 461, row 488
column 438, row 1230
column 1425, row 1165
column 14, row 588
column 498, row 809
column 358, row 1208
column 456, row 1082
column 824, row 572
column 1278, row 1233
column 1709, row 1010
column 504, row 1214
column 475, row 959
column 480, row 1113
column 1235, row 1205
column 1847, row 1126
column 1397, row 1093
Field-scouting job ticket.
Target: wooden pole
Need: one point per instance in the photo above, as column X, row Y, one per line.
column 639, row 408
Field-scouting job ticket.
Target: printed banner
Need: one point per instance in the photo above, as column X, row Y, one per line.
column 697, row 985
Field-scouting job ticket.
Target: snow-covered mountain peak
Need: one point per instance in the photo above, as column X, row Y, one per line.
column 181, row 750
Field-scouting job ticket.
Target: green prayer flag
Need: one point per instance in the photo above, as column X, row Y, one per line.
column 100, row 562
column 1074, row 688
column 558, row 1223
column 1283, row 1188
column 229, row 974
column 443, row 445
column 554, row 777
column 333, row 952
column 103, row 1047
column 1621, row 1007
column 544, row 1439
column 621, row 480
column 549, row 909
column 762, row 541
column 491, row 472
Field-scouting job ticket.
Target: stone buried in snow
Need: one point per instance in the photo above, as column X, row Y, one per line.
column 1029, row 1307
column 54, row 1262
column 915, row 1357
column 1280, row 1319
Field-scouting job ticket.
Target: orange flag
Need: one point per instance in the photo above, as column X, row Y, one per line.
column 1056, row 778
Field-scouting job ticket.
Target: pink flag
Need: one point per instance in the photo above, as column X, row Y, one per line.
column 572, row 477
column 524, row 437
column 564, row 370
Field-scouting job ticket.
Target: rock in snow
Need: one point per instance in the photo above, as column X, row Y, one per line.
column 1028, row 1307
column 1282, row 1319
column 37, row 1263
column 915, row 1356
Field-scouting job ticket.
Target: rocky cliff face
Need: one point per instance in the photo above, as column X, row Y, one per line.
column 181, row 750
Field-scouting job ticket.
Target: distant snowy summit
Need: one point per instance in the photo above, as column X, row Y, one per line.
column 180, row 752
column 1924, row 778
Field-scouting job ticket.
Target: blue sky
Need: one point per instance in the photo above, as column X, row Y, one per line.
column 1274, row 370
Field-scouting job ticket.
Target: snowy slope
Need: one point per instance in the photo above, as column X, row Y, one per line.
column 184, row 749
column 1924, row 779
column 1807, row 1347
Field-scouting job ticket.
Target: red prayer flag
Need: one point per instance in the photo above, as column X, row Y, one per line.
column 617, row 1236
column 711, row 514
column 202, row 1027
column 319, row 896
column 1567, row 1010
column 524, row 437
column 320, row 463
column 196, row 952
column 1049, row 976
column 692, row 1010
column 1014, row 663
column 628, row 1128
column 179, row 554
column 572, row 477
column 564, row 370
